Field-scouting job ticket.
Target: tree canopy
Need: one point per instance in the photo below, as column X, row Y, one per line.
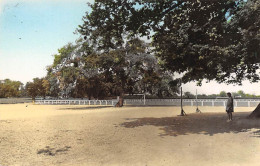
column 39, row 87
column 87, row 72
column 213, row 40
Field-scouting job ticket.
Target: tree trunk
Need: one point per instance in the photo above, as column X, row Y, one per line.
column 255, row 113
column 33, row 99
column 120, row 103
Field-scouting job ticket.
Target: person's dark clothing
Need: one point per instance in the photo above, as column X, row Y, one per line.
column 230, row 105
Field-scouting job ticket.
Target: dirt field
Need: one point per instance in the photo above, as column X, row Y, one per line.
column 152, row 136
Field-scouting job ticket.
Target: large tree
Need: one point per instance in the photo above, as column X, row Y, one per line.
column 213, row 40
column 62, row 74
column 85, row 71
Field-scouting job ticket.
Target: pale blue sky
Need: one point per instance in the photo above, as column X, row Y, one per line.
column 31, row 31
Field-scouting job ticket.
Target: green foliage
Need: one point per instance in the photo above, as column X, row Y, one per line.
column 63, row 52
column 39, row 87
column 238, row 94
column 54, row 89
column 223, row 94
column 189, row 95
column 122, row 70
column 9, row 88
column 129, row 69
column 213, row 40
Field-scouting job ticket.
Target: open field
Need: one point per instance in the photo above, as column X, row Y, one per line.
column 88, row 135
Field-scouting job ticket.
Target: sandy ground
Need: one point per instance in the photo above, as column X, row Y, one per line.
column 152, row 136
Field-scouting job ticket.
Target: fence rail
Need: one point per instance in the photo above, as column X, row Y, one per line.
column 77, row 102
column 155, row 102
column 192, row 102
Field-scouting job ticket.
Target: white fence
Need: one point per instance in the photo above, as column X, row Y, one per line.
column 156, row 102
column 77, row 102
column 192, row 102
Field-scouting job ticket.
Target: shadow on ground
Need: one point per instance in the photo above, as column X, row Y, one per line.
column 205, row 123
column 52, row 151
column 85, row 108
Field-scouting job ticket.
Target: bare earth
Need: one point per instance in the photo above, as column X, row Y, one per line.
column 154, row 136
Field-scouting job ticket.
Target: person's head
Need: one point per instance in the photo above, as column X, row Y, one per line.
column 229, row 94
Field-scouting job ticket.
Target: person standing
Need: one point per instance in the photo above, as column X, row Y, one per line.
column 229, row 106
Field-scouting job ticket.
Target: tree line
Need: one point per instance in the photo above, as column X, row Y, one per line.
column 223, row 94
column 40, row 87
column 9, row 88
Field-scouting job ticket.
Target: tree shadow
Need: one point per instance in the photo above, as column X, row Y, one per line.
column 48, row 151
column 205, row 123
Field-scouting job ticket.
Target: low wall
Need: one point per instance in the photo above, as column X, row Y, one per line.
column 15, row 100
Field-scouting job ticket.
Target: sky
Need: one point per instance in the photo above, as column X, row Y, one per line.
column 32, row 31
